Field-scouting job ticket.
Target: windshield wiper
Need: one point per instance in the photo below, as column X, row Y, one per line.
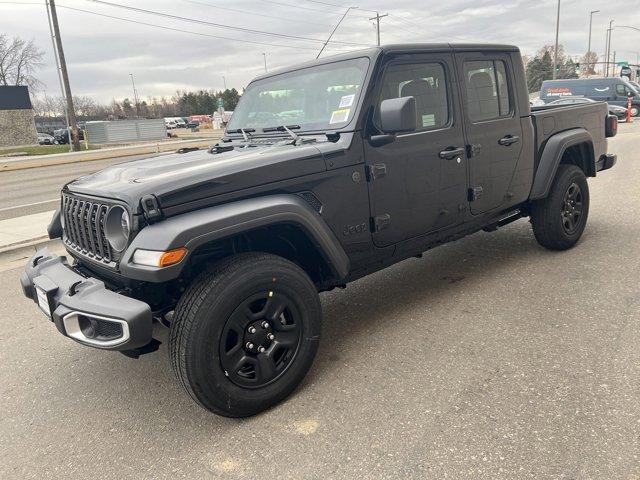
column 285, row 128
column 244, row 132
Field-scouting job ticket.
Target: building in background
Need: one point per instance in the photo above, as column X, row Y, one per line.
column 17, row 125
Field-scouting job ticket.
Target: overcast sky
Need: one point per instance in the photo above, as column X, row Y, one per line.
column 101, row 52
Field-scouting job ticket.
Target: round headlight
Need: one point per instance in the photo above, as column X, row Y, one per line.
column 117, row 228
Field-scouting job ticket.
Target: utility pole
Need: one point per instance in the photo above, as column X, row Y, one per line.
column 377, row 18
column 589, row 45
column 55, row 55
column 264, row 55
column 224, row 81
column 65, row 78
column 135, row 96
column 555, row 55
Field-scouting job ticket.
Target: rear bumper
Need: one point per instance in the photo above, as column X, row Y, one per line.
column 606, row 161
column 82, row 308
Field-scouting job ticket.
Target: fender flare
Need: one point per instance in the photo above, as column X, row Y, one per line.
column 552, row 154
column 196, row 228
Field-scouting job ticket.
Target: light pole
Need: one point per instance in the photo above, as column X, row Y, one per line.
column 264, row 55
column 608, row 48
column 135, row 96
column 334, row 30
column 589, row 44
column 224, row 81
column 555, row 55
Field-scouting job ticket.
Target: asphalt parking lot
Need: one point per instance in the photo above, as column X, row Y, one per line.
column 488, row 358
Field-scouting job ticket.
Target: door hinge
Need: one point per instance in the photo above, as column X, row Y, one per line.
column 376, row 171
column 475, row 193
column 380, row 222
column 473, row 150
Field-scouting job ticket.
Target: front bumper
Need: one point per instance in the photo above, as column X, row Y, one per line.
column 83, row 308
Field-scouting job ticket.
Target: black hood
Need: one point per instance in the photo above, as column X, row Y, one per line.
column 182, row 177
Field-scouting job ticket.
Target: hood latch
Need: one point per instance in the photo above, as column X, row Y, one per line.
column 151, row 208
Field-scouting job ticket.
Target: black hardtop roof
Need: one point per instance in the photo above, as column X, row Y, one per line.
column 374, row 52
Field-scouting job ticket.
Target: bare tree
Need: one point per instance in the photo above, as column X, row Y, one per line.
column 19, row 59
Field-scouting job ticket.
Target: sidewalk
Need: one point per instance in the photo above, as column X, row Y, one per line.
column 24, row 231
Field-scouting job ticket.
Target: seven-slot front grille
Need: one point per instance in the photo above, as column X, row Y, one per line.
column 84, row 226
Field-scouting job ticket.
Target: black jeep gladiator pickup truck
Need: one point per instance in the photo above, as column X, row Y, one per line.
column 328, row 171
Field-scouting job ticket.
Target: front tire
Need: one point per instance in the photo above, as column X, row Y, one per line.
column 635, row 110
column 245, row 333
column 560, row 219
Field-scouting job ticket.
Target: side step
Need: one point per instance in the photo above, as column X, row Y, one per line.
column 511, row 217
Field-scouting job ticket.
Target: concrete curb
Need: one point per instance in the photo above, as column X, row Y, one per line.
column 27, row 243
column 21, row 163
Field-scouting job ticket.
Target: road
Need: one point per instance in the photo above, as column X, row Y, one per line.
column 488, row 358
column 35, row 190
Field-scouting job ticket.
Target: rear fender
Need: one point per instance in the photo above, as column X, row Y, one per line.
column 552, row 154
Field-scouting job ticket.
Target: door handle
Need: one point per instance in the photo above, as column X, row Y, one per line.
column 451, row 152
column 509, row 140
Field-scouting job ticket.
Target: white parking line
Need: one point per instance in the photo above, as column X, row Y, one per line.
column 5, row 209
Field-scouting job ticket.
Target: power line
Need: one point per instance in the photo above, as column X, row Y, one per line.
column 246, row 12
column 217, row 25
column 179, row 29
column 338, row 6
column 303, row 8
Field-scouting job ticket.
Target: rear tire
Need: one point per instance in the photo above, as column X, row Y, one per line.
column 245, row 333
column 560, row 219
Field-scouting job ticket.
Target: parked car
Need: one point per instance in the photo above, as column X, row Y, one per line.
column 193, row 125
column 635, row 85
column 62, row 136
column 229, row 247
column 613, row 90
column 619, row 112
column 46, row 139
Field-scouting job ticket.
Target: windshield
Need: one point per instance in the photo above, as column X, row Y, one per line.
column 316, row 98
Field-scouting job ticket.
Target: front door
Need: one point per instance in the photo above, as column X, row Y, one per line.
column 417, row 184
column 493, row 129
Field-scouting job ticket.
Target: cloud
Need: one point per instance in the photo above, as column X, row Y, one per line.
column 101, row 52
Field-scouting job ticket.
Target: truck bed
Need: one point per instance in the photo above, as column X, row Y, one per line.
column 551, row 119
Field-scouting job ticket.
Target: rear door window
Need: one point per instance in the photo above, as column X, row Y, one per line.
column 488, row 91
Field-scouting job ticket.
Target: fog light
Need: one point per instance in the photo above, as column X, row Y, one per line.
column 153, row 258
column 88, row 326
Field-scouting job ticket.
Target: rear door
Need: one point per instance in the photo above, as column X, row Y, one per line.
column 417, row 184
column 493, row 129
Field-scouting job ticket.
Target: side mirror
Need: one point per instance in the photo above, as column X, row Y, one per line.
column 398, row 115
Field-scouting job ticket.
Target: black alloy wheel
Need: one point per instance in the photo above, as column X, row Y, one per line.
column 572, row 209
column 245, row 333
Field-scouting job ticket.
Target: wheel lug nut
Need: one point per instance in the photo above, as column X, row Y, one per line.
column 271, row 336
column 252, row 329
column 250, row 345
column 261, row 349
column 265, row 324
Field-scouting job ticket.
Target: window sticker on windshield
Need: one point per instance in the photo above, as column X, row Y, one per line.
column 339, row 116
column 428, row 120
column 347, row 100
